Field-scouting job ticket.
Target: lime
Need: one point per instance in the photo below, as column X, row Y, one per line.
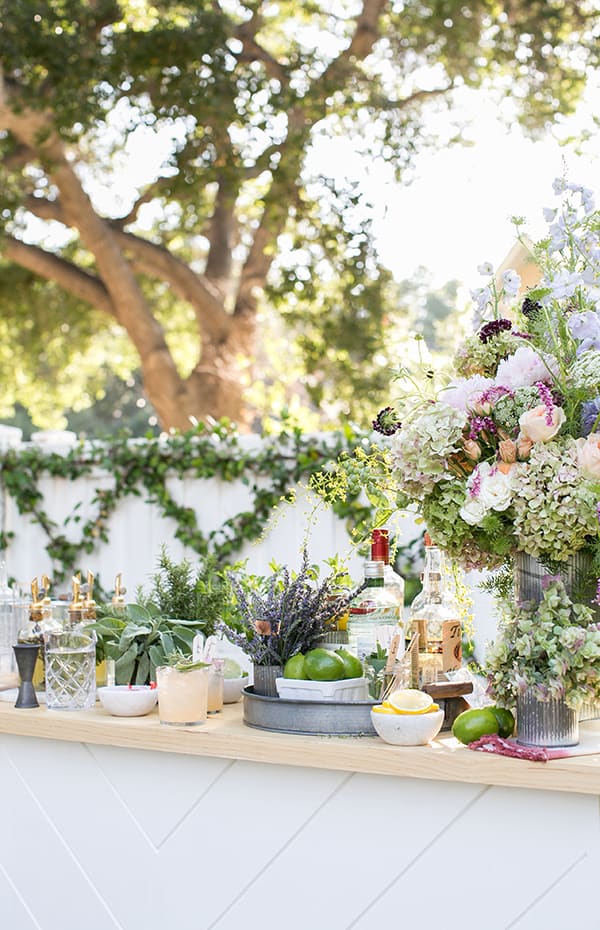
column 475, row 723
column 294, row 667
column 322, row 665
column 506, row 721
column 352, row 665
column 410, row 701
column 231, row 669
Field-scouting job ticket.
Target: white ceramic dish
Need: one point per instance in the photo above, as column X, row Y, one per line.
column 232, row 689
column 347, row 689
column 408, row 729
column 123, row 701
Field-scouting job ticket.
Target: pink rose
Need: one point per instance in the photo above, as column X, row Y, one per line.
column 539, row 425
column 588, row 455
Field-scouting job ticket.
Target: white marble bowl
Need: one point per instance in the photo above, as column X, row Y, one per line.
column 232, row 689
column 408, row 729
column 123, row 701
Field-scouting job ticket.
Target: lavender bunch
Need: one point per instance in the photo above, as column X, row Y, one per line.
column 285, row 613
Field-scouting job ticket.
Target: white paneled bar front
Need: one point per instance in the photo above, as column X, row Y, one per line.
column 121, row 823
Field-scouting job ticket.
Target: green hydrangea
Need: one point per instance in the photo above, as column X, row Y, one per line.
column 420, row 450
column 474, row 547
column 507, row 409
column 555, row 510
column 552, row 647
column 475, row 357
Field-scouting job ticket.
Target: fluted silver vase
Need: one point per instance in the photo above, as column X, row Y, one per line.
column 264, row 679
column 576, row 575
column 546, row 723
column 580, row 584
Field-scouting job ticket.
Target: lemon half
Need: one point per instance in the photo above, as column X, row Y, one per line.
column 410, row 701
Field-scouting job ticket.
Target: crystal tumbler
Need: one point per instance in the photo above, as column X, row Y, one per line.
column 70, row 669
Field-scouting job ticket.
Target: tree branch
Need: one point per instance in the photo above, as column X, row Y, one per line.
column 149, row 194
column 301, row 118
column 417, row 96
column 252, row 50
column 157, row 262
column 76, row 281
column 221, row 235
column 18, row 157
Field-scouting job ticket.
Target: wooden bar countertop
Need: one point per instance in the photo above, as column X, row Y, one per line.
column 225, row 736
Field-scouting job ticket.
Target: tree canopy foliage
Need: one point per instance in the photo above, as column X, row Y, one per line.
column 159, row 185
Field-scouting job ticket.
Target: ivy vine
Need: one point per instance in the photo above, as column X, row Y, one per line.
column 270, row 472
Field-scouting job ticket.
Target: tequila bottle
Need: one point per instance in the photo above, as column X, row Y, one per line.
column 434, row 617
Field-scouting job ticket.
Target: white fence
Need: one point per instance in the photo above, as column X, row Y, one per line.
column 137, row 529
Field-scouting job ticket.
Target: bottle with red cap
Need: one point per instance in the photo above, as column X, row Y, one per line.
column 380, row 552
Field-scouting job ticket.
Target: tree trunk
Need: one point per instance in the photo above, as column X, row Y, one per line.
column 216, row 386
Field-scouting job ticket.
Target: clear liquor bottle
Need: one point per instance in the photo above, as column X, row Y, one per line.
column 374, row 615
column 380, row 552
column 435, row 618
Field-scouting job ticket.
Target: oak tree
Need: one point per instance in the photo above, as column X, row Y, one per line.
column 224, row 202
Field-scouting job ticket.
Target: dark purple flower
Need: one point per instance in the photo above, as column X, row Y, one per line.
column 489, row 330
column 530, row 307
column 387, row 422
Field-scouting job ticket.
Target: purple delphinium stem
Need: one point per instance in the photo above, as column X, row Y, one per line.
column 547, row 400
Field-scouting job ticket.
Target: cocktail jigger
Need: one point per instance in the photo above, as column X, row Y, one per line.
column 26, row 655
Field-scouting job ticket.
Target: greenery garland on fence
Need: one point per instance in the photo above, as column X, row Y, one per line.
column 270, row 472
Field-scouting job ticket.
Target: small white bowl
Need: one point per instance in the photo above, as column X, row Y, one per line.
column 123, row 701
column 232, row 689
column 408, row 729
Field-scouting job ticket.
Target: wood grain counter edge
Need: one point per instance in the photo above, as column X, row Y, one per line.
column 226, row 737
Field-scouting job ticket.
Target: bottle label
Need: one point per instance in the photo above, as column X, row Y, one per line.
column 373, row 610
column 451, row 645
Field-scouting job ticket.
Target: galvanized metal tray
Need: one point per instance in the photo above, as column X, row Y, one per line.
column 317, row 718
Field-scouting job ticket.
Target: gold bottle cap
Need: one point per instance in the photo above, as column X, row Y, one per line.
column 89, row 604
column 118, row 598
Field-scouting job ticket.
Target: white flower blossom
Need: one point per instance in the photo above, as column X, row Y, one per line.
column 563, row 285
column 511, row 282
column 485, row 268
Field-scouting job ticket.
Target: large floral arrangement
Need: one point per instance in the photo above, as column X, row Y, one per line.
column 505, row 455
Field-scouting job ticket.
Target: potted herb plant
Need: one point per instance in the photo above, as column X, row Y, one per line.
column 183, row 601
column 282, row 614
column 186, row 592
column 138, row 637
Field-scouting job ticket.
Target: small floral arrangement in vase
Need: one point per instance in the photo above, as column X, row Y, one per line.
column 551, row 649
column 275, row 617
